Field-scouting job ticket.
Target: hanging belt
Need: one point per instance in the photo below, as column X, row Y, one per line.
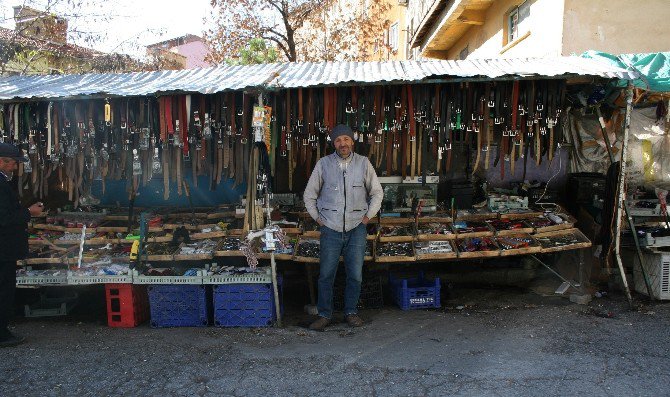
column 411, row 116
column 311, row 137
column 449, row 134
column 388, row 134
column 481, row 127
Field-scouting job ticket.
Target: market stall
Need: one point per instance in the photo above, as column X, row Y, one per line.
column 135, row 157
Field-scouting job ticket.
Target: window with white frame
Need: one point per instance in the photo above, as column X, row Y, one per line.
column 518, row 21
column 393, row 37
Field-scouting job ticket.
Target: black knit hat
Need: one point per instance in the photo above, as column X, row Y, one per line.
column 10, row 151
column 341, row 129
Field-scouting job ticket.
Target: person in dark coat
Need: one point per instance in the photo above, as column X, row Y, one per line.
column 13, row 238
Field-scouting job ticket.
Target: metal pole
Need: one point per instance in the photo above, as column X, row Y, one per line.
column 629, row 218
column 273, row 267
column 621, row 188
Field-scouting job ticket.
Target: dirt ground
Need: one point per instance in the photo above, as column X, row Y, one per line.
column 482, row 342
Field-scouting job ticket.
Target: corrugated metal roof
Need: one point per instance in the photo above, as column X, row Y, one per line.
column 292, row 75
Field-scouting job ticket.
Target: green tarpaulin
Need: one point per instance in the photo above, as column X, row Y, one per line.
column 654, row 67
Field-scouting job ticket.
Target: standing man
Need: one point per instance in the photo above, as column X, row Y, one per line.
column 342, row 195
column 13, row 238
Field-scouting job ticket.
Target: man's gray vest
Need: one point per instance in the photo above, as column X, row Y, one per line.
column 343, row 200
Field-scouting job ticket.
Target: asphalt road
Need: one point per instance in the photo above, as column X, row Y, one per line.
column 482, row 343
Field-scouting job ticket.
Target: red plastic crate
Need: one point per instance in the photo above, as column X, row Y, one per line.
column 127, row 305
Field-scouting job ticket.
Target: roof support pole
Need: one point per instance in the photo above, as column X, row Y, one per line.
column 631, row 224
column 621, row 189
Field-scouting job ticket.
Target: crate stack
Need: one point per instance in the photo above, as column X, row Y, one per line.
column 127, row 305
column 243, row 300
column 415, row 292
column 179, row 305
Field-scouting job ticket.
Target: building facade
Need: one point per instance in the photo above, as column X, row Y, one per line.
column 184, row 52
column 38, row 45
column 468, row 29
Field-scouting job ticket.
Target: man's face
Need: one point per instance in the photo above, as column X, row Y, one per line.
column 8, row 166
column 344, row 145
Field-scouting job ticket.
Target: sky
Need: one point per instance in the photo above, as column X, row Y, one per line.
column 131, row 24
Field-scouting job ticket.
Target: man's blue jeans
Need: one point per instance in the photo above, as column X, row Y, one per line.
column 350, row 245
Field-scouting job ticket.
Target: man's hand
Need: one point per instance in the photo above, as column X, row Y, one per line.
column 36, row 209
column 319, row 221
column 365, row 220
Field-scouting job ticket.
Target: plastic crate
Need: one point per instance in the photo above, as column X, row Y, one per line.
column 371, row 297
column 244, row 305
column 127, row 305
column 415, row 293
column 657, row 268
column 74, row 279
column 48, row 306
column 42, row 280
column 261, row 277
column 178, row 306
column 164, row 280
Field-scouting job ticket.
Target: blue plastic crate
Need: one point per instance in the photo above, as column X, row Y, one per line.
column 415, row 293
column 178, row 305
column 244, row 305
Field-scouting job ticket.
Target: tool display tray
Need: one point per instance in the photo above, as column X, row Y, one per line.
column 151, row 249
column 461, row 233
column 533, row 247
column 298, row 254
column 394, row 221
column 232, row 241
column 278, row 257
column 427, row 224
column 42, row 261
column 194, row 257
column 386, row 232
column 436, row 255
column 568, row 223
column 478, row 214
column 439, row 218
column 493, row 250
column 394, row 258
column 544, row 239
column 228, row 253
column 504, row 227
column 520, row 214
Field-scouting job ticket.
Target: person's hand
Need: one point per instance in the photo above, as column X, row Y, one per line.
column 36, row 209
column 319, row 221
column 365, row 220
